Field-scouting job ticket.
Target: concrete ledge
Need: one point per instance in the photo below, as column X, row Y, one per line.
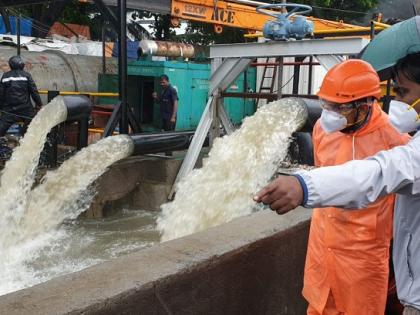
column 142, row 182
column 253, row 265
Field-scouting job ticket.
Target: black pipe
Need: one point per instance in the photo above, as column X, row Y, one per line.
column 18, row 34
column 166, row 133
column 311, row 60
column 296, row 75
column 122, row 62
column 78, row 107
column 82, row 140
column 163, row 142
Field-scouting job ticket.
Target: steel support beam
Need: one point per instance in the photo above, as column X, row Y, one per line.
column 337, row 46
column 226, row 73
column 122, row 64
column 196, row 144
column 224, row 118
column 229, row 61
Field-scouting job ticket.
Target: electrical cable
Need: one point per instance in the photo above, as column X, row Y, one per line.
column 341, row 10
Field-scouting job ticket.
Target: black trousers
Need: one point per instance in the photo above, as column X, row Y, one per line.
column 9, row 116
column 167, row 125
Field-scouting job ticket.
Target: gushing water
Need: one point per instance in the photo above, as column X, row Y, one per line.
column 30, row 217
column 64, row 193
column 238, row 166
column 19, row 173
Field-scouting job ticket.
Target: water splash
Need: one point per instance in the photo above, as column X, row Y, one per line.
column 238, row 166
column 18, row 175
column 64, row 193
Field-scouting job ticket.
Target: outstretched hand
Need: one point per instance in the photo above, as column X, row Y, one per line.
column 282, row 194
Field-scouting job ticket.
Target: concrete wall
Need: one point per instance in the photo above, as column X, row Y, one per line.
column 253, row 265
column 141, row 182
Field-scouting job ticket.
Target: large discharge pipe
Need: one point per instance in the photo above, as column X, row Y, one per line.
column 180, row 140
column 57, row 71
column 314, row 110
column 78, row 109
column 301, row 148
column 161, row 142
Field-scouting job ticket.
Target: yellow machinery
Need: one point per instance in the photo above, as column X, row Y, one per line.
column 242, row 14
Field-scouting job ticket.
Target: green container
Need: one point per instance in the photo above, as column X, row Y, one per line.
column 191, row 80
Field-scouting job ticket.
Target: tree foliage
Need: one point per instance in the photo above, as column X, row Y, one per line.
column 73, row 11
column 341, row 9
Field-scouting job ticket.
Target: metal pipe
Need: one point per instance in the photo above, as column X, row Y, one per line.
column 310, row 74
column 296, row 74
column 162, row 142
column 78, row 107
column 158, row 144
column 314, row 112
column 256, row 64
column 165, row 49
column 101, row 94
column 82, row 140
column 103, row 46
column 122, row 62
column 18, row 34
column 280, row 78
column 268, row 96
column 383, row 25
column 55, row 70
column 347, row 30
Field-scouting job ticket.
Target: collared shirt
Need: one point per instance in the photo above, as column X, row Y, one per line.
column 167, row 99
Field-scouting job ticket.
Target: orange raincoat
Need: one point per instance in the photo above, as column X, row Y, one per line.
column 346, row 269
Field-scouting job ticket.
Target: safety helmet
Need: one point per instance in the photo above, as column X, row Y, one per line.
column 16, row 63
column 350, row 80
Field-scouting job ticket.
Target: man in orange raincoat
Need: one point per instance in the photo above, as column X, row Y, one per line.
column 347, row 269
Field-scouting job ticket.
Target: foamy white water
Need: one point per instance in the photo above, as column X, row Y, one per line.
column 76, row 245
column 63, row 194
column 238, row 166
column 19, row 173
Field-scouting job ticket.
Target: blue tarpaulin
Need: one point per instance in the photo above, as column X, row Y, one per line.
column 132, row 47
column 25, row 26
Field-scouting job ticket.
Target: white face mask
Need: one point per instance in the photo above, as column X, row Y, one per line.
column 332, row 121
column 403, row 116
